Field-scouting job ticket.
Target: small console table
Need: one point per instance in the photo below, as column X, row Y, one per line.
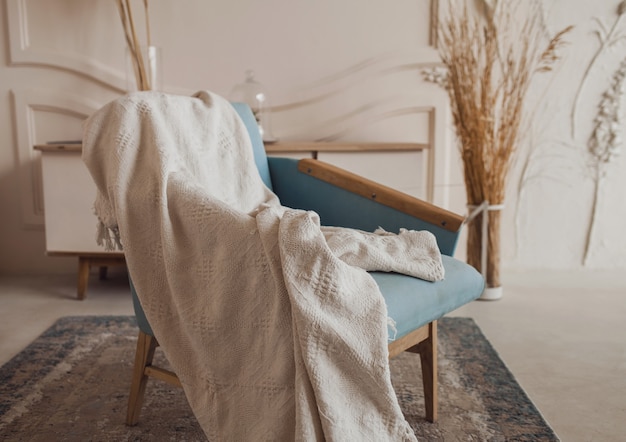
column 87, row 260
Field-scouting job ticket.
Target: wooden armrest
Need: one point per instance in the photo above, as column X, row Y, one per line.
column 381, row 194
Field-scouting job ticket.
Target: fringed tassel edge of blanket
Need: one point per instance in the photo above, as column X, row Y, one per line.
column 490, row 293
column 109, row 237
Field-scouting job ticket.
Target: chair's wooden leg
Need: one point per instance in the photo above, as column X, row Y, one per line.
column 83, row 276
column 427, row 350
column 146, row 346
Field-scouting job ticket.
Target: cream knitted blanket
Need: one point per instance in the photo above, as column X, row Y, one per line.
column 273, row 336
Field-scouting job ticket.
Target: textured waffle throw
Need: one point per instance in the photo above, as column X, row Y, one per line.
column 273, row 335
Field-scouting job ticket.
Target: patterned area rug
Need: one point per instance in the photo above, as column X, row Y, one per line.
column 71, row 384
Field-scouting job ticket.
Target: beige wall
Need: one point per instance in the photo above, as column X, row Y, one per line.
column 348, row 70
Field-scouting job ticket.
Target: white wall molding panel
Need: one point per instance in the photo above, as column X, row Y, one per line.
column 362, row 103
column 32, row 107
column 24, row 51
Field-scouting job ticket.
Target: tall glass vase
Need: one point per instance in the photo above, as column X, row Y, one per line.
column 484, row 249
column 144, row 69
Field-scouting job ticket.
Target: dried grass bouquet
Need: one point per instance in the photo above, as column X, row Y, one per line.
column 491, row 53
column 144, row 63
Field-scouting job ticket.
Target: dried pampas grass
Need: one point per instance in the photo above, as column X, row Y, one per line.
column 142, row 68
column 491, row 59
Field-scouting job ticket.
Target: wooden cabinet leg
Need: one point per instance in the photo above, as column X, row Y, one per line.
column 83, row 276
column 103, row 272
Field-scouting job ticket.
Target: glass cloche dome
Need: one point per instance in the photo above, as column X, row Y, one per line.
column 253, row 94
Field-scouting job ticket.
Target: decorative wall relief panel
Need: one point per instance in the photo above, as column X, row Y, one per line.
column 363, row 103
column 607, row 37
column 570, row 190
column 341, row 104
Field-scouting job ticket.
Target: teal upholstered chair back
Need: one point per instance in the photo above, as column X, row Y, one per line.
column 279, row 175
column 260, row 157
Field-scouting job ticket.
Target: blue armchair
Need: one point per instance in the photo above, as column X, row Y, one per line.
column 347, row 200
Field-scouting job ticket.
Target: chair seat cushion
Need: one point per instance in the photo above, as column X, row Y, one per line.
column 413, row 302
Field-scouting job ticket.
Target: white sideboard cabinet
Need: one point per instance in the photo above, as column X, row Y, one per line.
column 70, row 223
column 69, row 191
